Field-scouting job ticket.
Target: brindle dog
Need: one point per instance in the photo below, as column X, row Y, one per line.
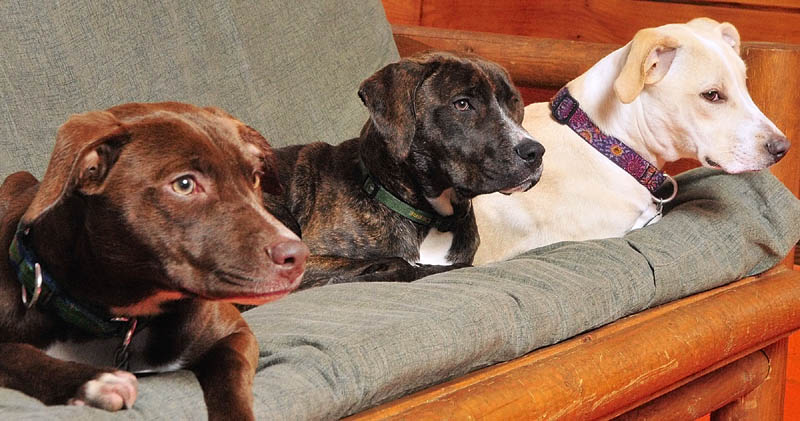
column 148, row 222
column 443, row 128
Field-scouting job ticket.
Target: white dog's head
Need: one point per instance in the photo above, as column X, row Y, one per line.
column 690, row 83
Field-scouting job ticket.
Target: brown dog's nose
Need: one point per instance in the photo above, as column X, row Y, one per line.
column 530, row 150
column 289, row 255
column 777, row 147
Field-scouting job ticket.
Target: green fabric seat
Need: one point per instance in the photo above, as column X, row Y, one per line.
column 292, row 71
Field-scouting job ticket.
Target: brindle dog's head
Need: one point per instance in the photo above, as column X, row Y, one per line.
column 457, row 119
column 164, row 202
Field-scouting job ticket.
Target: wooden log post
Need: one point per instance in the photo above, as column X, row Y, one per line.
column 775, row 88
column 766, row 401
column 706, row 394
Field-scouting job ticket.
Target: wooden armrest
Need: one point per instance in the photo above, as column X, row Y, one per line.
column 618, row 367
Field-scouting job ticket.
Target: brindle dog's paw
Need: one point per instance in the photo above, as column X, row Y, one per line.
column 109, row 391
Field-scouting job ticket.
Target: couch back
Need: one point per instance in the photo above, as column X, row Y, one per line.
column 291, row 71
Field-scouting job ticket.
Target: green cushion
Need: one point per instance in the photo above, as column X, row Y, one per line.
column 290, row 70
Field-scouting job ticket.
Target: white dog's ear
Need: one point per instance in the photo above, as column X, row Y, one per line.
column 649, row 59
column 730, row 35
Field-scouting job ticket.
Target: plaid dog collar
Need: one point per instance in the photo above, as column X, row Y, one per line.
column 39, row 286
column 375, row 190
column 566, row 110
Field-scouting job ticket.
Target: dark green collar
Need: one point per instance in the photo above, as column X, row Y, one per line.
column 39, row 286
column 376, row 191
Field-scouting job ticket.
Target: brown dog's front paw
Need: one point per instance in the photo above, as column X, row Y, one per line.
column 109, row 391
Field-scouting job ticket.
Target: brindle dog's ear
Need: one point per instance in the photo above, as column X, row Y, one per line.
column 86, row 148
column 389, row 96
column 504, row 89
column 270, row 183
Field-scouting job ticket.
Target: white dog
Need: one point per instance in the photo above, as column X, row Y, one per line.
column 675, row 91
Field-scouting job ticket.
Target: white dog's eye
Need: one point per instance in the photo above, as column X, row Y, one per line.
column 462, row 105
column 712, row 95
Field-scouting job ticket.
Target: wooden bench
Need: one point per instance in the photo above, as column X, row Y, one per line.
column 722, row 352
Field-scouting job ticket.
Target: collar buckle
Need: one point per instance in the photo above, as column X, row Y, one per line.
column 657, row 199
column 37, row 288
column 370, row 187
column 561, row 114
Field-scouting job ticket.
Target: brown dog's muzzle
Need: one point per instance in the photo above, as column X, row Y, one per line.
column 289, row 258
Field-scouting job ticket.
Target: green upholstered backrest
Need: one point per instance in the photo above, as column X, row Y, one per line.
column 291, row 70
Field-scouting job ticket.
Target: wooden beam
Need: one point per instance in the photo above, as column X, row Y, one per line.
column 708, row 393
column 766, row 401
column 613, row 21
column 405, row 12
column 540, row 63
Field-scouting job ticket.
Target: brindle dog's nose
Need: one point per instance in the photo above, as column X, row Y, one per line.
column 289, row 255
column 530, row 150
column 777, row 147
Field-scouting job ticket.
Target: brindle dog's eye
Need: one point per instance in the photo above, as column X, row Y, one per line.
column 712, row 96
column 184, row 185
column 462, row 105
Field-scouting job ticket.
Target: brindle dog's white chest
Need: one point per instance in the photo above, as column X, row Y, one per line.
column 434, row 248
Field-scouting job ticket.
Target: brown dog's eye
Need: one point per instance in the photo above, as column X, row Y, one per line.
column 184, row 185
column 462, row 105
column 256, row 180
column 712, row 96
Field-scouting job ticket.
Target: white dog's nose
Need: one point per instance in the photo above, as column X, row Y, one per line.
column 777, row 147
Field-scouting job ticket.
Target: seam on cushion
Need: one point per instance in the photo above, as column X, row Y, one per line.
column 652, row 272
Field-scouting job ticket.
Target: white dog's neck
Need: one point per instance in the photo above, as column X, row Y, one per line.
column 629, row 123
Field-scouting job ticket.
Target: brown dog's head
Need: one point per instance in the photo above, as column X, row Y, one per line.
column 164, row 200
column 458, row 117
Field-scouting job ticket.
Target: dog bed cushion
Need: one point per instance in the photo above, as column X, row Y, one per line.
column 335, row 350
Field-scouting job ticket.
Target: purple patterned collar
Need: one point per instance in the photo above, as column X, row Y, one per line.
column 566, row 110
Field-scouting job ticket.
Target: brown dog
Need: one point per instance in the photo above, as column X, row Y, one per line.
column 394, row 203
column 148, row 222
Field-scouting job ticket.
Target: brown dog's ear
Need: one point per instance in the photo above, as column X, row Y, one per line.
column 389, row 96
column 649, row 59
column 86, row 148
column 270, row 183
